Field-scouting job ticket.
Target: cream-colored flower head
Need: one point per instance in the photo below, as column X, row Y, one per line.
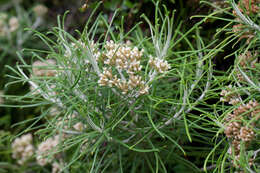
column 56, row 167
column 40, row 10
column 160, row 65
column 39, row 68
column 44, row 149
column 22, row 148
column 13, row 24
column 123, row 68
column 79, row 126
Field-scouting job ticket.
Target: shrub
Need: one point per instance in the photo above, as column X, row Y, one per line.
column 138, row 102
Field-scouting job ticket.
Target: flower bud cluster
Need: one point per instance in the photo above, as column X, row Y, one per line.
column 79, row 126
column 221, row 4
column 246, row 61
column 22, row 148
column 40, row 10
column 160, row 65
column 236, row 128
column 54, row 111
column 77, row 48
column 56, row 167
column 44, row 150
column 250, row 6
column 13, row 24
column 43, row 69
column 68, row 123
column 40, row 68
column 247, row 34
column 8, row 25
column 124, row 61
column 228, row 95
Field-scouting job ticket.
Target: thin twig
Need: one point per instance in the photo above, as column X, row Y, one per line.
column 57, row 101
column 255, row 153
column 248, row 79
column 184, row 98
column 245, row 19
column 205, row 90
column 240, row 86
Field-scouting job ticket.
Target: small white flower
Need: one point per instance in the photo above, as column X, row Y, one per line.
column 40, row 10
column 22, row 148
column 13, row 24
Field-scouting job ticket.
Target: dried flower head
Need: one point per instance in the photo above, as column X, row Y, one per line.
column 246, row 60
column 250, row 6
column 244, row 31
column 238, row 130
column 246, row 134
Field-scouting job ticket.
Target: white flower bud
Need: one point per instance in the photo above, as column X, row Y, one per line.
column 13, row 24
column 40, row 10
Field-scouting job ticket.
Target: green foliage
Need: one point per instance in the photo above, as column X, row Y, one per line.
column 96, row 116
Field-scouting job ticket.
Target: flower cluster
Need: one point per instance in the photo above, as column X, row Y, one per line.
column 22, row 148
column 246, row 61
column 237, row 130
column 228, row 95
column 13, row 24
column 160, row 65
column 43, row 69
column 44, row 149
column 247, row 34
column 126, row 62
column 40, row 68
column 8, row 25
column 54, row 111
column 68, row 122
column 78, row 47
column 123, row 68
column 221, row 4
column 56, row 167
column 250, row 6
column 40, row 10
column 79, row 126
